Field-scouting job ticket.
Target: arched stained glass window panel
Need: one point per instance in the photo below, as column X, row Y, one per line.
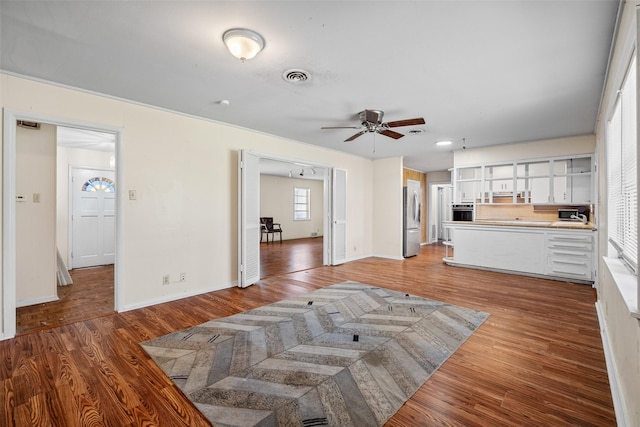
column 99, row 184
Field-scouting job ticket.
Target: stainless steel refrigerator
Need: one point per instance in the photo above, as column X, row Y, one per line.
column 412, row 212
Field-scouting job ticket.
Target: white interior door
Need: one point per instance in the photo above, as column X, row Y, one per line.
column 339, row 211
column 93, row 218
column 249, row 220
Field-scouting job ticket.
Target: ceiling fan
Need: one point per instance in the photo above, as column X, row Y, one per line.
column 371, row 121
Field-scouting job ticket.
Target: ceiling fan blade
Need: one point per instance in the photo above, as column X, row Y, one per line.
column 407, row 122
column 340, row 127
column 390, row 133
column 351, row 138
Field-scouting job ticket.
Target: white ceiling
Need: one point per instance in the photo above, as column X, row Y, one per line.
column 491, row 72
column 85, row 139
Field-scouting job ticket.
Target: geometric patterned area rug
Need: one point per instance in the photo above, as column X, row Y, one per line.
column 344, row 355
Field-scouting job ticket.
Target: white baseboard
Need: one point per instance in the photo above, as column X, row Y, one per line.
column 34, row 301
column 169, row 298
column 397, row 258
column 617, row 393
column 357, row 258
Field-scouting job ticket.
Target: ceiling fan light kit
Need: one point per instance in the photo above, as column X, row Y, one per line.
column 242, row 43
column 371, row 121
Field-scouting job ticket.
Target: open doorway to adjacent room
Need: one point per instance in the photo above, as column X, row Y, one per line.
column 440, row 199
column 292, row 194
column 65, row 218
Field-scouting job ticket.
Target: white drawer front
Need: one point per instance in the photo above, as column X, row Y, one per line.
column 570, row 255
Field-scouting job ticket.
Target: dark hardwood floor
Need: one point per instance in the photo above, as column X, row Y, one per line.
column 536, row 361
column 90, row 295
column 290, row 256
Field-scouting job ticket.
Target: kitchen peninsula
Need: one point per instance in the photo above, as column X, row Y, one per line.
column 560, row 250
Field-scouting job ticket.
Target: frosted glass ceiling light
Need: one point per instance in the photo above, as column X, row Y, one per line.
column 242, row 43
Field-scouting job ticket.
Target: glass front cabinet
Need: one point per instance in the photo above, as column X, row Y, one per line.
column 468, row 184
column 561, row 180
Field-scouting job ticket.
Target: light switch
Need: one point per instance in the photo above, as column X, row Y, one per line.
column 133, row 195
column 36, row 197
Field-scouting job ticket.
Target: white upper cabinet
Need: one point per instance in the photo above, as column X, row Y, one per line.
column 572, row 180
column 561, row 180
column 469, row 184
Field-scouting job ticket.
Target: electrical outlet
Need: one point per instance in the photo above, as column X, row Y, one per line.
column 183, row 277
column 166, row 279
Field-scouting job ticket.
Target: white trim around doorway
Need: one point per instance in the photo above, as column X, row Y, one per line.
column 9, row 210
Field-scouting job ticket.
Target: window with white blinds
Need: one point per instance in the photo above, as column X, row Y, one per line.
column 301, row 204
column 622, row 188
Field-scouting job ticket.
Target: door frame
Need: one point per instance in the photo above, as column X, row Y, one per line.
column 9, row 177
column 434, row 208
column 327, row 208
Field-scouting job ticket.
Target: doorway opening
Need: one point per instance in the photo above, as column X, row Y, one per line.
column 40, row 307
column 292, row 194
column 440, row 199
column 332, row 217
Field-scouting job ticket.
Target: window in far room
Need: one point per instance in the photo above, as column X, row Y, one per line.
column 301, row 204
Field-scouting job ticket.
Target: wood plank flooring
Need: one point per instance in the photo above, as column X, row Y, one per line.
column 538, row 359
column 289, row 256
column 90, row 296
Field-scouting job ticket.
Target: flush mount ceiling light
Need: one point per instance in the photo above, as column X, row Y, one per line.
column 242, row 43
column 444, row 142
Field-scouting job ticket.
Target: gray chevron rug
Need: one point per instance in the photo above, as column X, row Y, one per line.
column 345, row 355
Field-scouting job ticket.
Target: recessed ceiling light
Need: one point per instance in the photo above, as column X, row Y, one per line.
column 444, row 142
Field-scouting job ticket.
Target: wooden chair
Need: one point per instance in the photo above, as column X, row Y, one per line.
column 267, row 227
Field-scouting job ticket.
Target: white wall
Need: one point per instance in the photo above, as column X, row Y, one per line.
column 621, row 330
column 35, row 220
column 185, row 172
column 67, row 157
column 387, row 205
column 584, row 144
column 276, row 200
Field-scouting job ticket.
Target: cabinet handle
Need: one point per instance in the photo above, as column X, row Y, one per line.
column 569, row 272
column 571, row 238
column 569, row 247
column 569, row 262
column 574, row 254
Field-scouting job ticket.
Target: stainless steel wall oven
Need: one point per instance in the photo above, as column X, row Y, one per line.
column 462, row 212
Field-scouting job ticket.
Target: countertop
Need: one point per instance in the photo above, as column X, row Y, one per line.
column 572, row 225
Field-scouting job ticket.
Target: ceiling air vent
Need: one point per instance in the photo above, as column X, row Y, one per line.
column 28, row 125
column 296, row 76
column 415, row 131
